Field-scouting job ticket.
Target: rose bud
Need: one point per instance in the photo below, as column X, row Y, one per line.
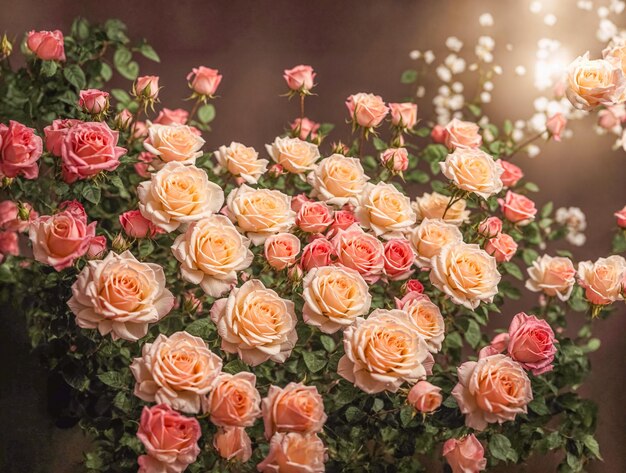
column 395, row 159
column 511, row 175
column 413, row 285
column 94, row 101
column 275, row 170
column 490, row 227
column 502, row 247
column 136, row 225
column 438, row 134
column 425, row 397
column 317, row 253
column 97, row 247
column 314, row 217
column 6, row 47
column 147, row 87
column 465, row 455
column 300, row 78
column 305, row 128
column 517, row 208
column 555, row 125
column 340, row 148
column 295, row 273
column 47, row 45
column 403, row 115
column 123, row 119
column 281, row 250
column 366, row 110
column 204, row 80
column 172, row 117
column 120, row 244
column 621, row 217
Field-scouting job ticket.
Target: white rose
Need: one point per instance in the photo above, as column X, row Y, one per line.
column 173, row 143
column 594, row 82
column 433, row 206
column 242, row 161
column 293, row 154
column 386, row 210
column 338, row 180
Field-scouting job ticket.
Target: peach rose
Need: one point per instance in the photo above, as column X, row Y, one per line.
column 425, row 397
column 20, row 149
column 147, row 86
column 121, row 296
column 395, row 159
column 517, row 208
column 293, row 154
column 319, row 252
column 300, row 78
column 172, row 117
column 360, row 251
column 616, row 52
column 211, row 252
column 234, row 400
column 430, row 236
column 178, row 195
column 16, row 217
column 233, row 443
column 47, row 45
column 93, row 101
column 531, row 343
column 398, row 259
column 281, row 250
column 334, row 297
column 314, row 217
column 204, row 80
column 466, row 274
column 260, row 212
column 256, row 323
column 9, row 244
column 460, row 134
column 502, row 247
column 490, row 227
column 136, row 225
column 427, row 319
column 473, row 170
column 555, row 125
column 386, row 210
column 366, row 110
column 342, row 220
column 603, row 279
column 621, row 217
column 554, row 276
column 177, row 370
column 294, row 453
column 382, row 352
column 403, row 115
column 512, row 173
column 55, row 134
column 241, row 161
column 305, row 128
column 594, row 82
column 466, row 455
column 173, row 143
column 338, row 180
column 434, row 206
column 492, row 389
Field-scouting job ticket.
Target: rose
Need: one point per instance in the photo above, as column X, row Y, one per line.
column 473, row 170
column 490, row 227
column 89, row 148
column 342, row 219
column 143, row 166
column 382, row 352
column 603, row 280
column 612, row 116
column 260, row 212
column 93, row 101
column 305, row 128
column 425, row 397
column 413, row 285
column 293, row 154
column 555, row 125
column 300, row 78
column 136, row 225
column 616, row 53
column 465, row 273
column 178, row 194
column 593, row 82
column 398, row 259
column 460, row 134
column 281, row 250
column 403, row 115
column 9, row 244
column 174, row 143
column 20, row 149
column 366, row 110
column 177, row 370
column 172, row 117
column 430, row 236
column 621, row 217
column 14, row 217
column 427, row 319
column 438, row 134
column 204, row 80
column 434, row 206
column 241, row 161
column 493, row 389
column 502, row 247
column 386, row 210
column 47, row 45
column 360, row 251
column 554, row 276
column 123, row 119
column 531, row 343
column 314, row 217
column 466, row 455
column 317, row 253
column 55, row 134
column 338, row 180
column 211, row 252
column 298, row 201
column 517, row 208
column 234, row 400
column 294, row 408
column 294, row 453
column 395, row 159
column 58, row 240
column 97, row 247
column 334, row 297
column 256, row 323
column 147, row 87
column 512, row 173
column 121, row 296
column 170, row 439
column 233, row 443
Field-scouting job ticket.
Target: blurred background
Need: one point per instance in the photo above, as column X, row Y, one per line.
column 355, row 46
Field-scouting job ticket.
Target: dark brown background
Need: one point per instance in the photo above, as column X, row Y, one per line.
column 354, row 46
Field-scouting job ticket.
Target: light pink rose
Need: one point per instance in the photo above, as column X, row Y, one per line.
column 466, row 455
column 531, row 343
column 97, row 247
column 460, row 134
column 136, row 225
column 93, row 101
column 409, row 297
column 403, row 114
column 294, row 453
column 512, row 173
column 360, row 251
column 55, row 134
column 554, row 276
column 281, row 250
column 314, row 217
column 342, row 220
column 170, row 117
column 143, row 166
column 398, row 259
column 612, row 116
column 123, row 119
column 473, row 170
column 9, row 244
column 20, row 149
column 603, row 279
column 395, row 159
column 555, row 125
column 233, row 443
column 490, row 227
column 47, row 45
column 438, row 134
column 497, row 345
column 300, row 78
column 367, row 110
column 425, row 397
column 234, row 400
column 502, row 247
column 385, row 210
column 170, row 439
column 317, row 253
column 298, row 201
column 621, row 217
column 204, row 80
column 147, row 86
column 11, row 216
column 517, row 208
column 306, row 129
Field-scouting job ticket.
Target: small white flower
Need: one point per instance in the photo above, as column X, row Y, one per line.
column 444, row 73
column 457, row 87
column 485, row 97
column 454, row 44
column 535, row 7
column 520, row 70
column 550, row 19
column 429, row 57
column 603, row 12
column 485, row 19
column 421, row 91
column 533, row 150
column 488, row 86
column 415, row 54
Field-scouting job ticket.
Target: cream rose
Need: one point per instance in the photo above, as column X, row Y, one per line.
column 334, row 297
column 178, row 370
column 338, row 180
column 260, row 212
column 603, row 279
column 386, row 210
column 465, row 273
column 173, row 142
column 256, row 323
column 382, row 352
column 473, row 170
column 428, row 320
column 430, row 236
column 594, row 82
column 434, row 205
column 241, row 161
column 460, row 134
column 554, row 276
column 177, row 195
column 234, row 400
column 294, row 453
column 293, row 154
column 121, row 296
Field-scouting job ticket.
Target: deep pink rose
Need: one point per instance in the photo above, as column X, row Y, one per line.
column 171, row 117
column 490, row 227
column 204, row 80
column 511, row 175
column 136, row 225
column 300, row 78
column 97, row 247
column 399, row 259
column 55, row 134
column 8, row 244
column 313, row 217
column 10, row 218
column 413, row 285
column 47, row 45
column 403, row 114
column 517, row 208
column 147, row 86
column 555, row 125
column 502, row 247
column 317, row 253
column 466, row 455
column 93, row 101
column 621, row 217
column 531, row 343
column 367, row 110
column 306, row 128
column 20, row 148
column 395, row 159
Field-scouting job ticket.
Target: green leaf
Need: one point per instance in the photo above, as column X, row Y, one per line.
column 423, row 132
column 117, row 182
column 353, row 413
column 619, row 242
column 453, row 340
column 92, row 194
column 314, row 361
column 148, row 52
column 500, row 448
column 475, row 109
column 592, row 445
column 6, row 274
column 547, row 209
column 75, row 76
column 378, row 404
column 121, row 95
column 80, row 28
column 406, row 415
column 235, row 366
column 106, row 72
column 206, row 113
column 472, row 333
column 130, row 71
column 146, row 247
column 48, row 68
column 379, row 144
column 531, row 186
column 328, row 343
column 409, row 76
column 529, row 256
column 202, row 328
column 513, row 270
column 115, row 379
column 538, row 406
column 122, row 57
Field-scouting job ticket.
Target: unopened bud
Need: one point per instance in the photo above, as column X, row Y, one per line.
column 6, row 47
column 120, row 244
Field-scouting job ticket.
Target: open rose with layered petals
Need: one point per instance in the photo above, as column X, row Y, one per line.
column 403, row 114
column 47, row 45
column 233, row 443
column 281, row 250
column 174, row 143
column 55, row 134
column 300, row 78
column 398, row 259
column 473, row 170
column 490, row 227
column 531, row 343
column 460, row 134
column 241, row 161
column 20, row 149
column 518, row 208
column 552, row 275
column 234, row 400
column 314, row 217
column 320, row 252
column 603, row 280
column 367, row 110
column 512, row 173
column 434, row 206
column 425, row 397
column 338, row 180
column 386, row 210
column 294, row 453
column 342, row 220
column 430, row 236
column 427, row 319
column 360, row 251
column 594, row 82
column 466, row 455
column 293, row 154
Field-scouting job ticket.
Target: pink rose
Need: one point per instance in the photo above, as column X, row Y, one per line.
column 20, row 148
column 281, row 250
column 306, row 129
column 47, row 45
column 398, row 259
column 170, row 439
column 234, row 400
column 409, row 297
column 603, row 280
column 136, row 225
column 294, row 453
column 395, row 159
column 490, row 227
column 413, row 285
column 511, row 175
column 503, row 247
column 498, row 345
column 11, row 216
column 141, row 168
column 298, row 201
column 89, row 148
column 314, row 217
column 367, row 110
column 147, row 86
column 276, row 170
column 360, row 251
column 204, row 80
column 317, row 253
column 555, row 125
column 404, row 114
column 97, row 246
column 531, row 343
column 438, row 134
column 612, row 116
column 93, row 101
column 342, row 219
column 466, row 455
column 123, row 119
column 621, row 217
column 300, row 78
column 425, row 397
column 233, row 443
column 517, row 208
column 55, row 134
column 171, row 117
column 9, row 244
column 554, row 276
column 460, row 134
